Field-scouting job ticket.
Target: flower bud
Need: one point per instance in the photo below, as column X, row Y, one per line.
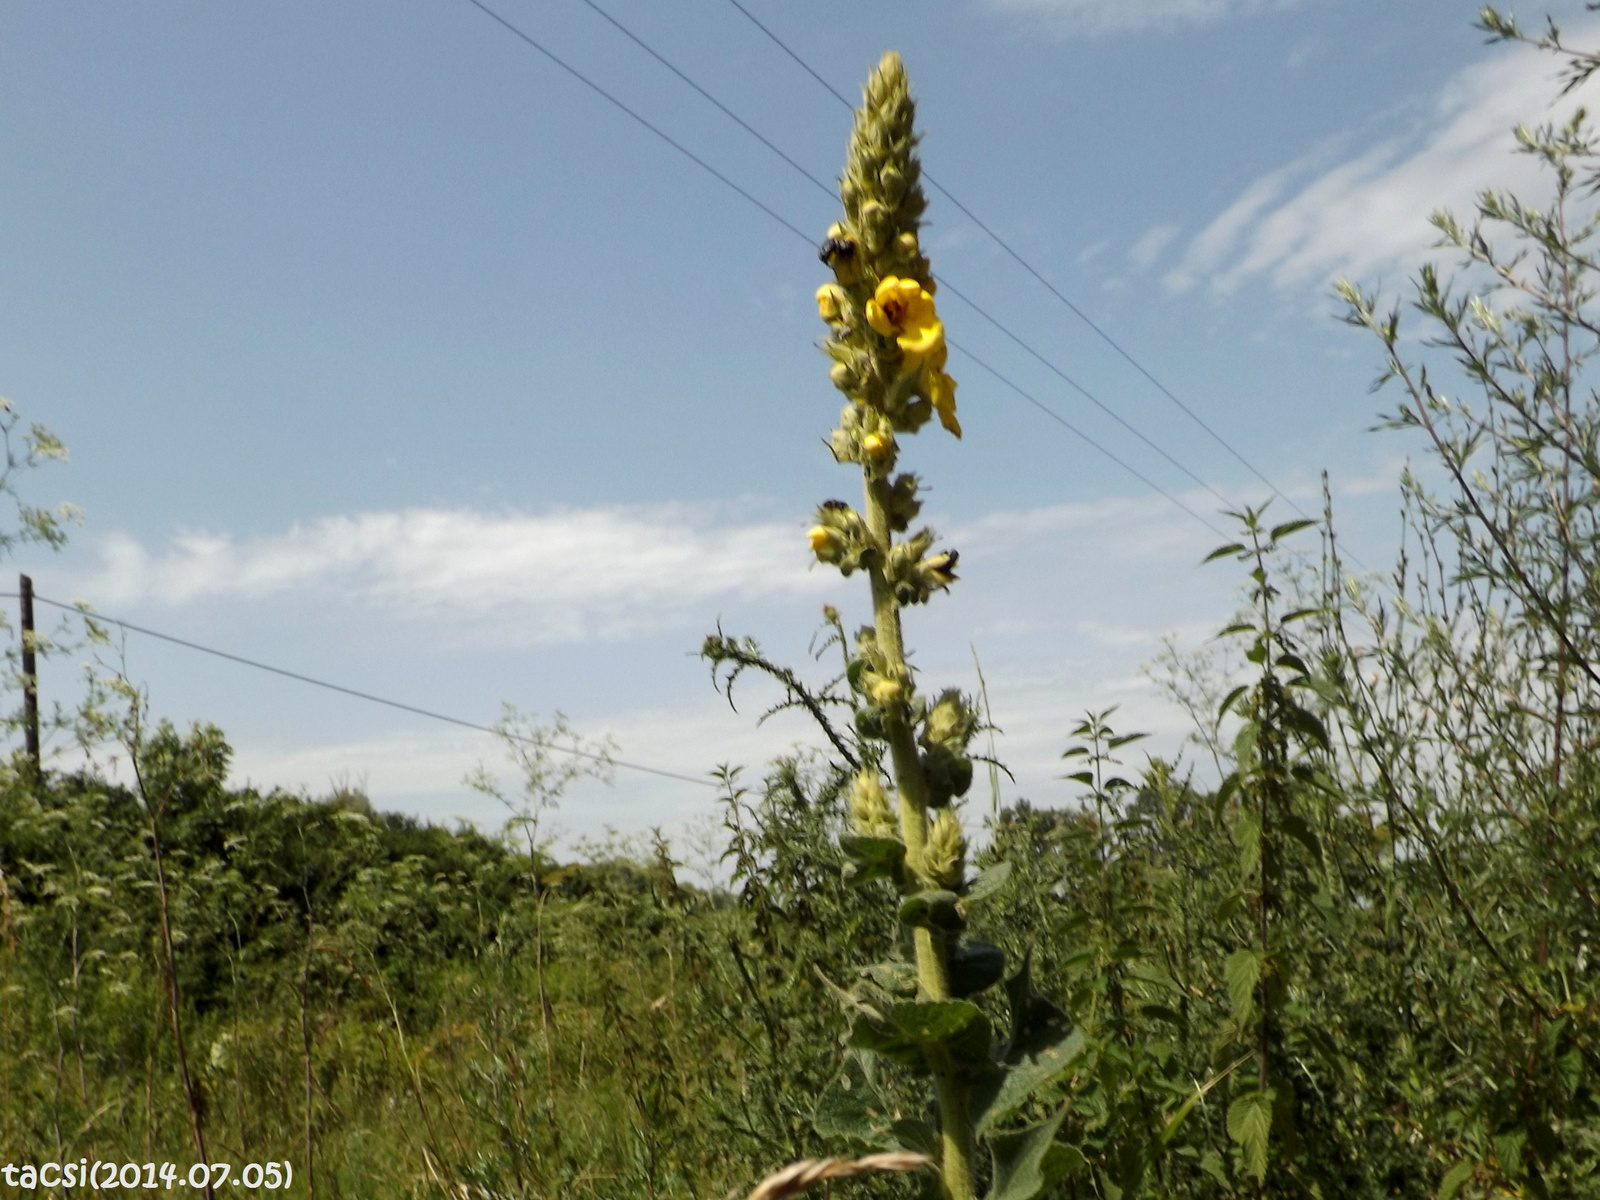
column 893, row 182
column 826, row 543
column 887, row 692
column 875, row 222
column 945, row 859
column 950, row 721
column 869, row 806
column 830, row 302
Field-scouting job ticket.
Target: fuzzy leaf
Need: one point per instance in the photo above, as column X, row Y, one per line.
column 1035, row 1022
column 996, row 1098
column 932, row 910
column 990, row 880
column 851, row 1108
column 872, row 857
column 1023, row 1165
column 975, row 967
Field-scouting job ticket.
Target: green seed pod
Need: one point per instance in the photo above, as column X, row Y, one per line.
column 948, row 772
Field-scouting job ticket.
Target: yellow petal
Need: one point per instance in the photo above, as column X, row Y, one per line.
column 943, row 394
column 921, row 341
column 820, row 537
column 828, row 302
column 878, row 319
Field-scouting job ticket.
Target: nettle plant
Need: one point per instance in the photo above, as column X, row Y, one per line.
column 913, row 761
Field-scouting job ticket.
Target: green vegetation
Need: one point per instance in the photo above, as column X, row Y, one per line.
column 1360, row 963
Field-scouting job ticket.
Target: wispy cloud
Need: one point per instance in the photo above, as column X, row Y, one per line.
column 1128, row 16
column 560, row 576
column 1149, row 247
column 1334, row 211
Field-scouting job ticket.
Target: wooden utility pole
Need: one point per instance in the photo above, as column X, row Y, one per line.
column 30, row 676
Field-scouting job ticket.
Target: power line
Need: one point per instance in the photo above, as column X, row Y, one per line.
column 368, row 696
column 1031, row 270
column 653, row 128
column 801, row 234
column 1057, row 417
column 944, row 280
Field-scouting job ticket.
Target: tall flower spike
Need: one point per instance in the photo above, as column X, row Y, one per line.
column 887, row 339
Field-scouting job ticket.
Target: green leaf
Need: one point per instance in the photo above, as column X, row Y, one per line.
column 1455, row 1177
column 954, row 1028
column 989, row 881
column 1023, row 1164
column 1249, row 1123
column 1300, row 614
column 1289, row 527
column 872, row 857
column 1228, row 700
column 932, row 910
column 975, row 967
column 1242, row 971
column 1224, row 551
column 873, row 850
column 1294, row 662
column 1035, row 1022
column 1295, row 826
column 912, row 1134
column 895, row 978
column 851, row 1108
column 1211, row 1164
column 1306, row 724
column 1224, row 790
column 1001, row 1095
column 1176, row 1120
column 1247, row 836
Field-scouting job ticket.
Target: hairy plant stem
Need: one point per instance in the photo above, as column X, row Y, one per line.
column 912, row 786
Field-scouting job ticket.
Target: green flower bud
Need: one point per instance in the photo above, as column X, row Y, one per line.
column 945, row 859
column 950, row 722
column 869, row 806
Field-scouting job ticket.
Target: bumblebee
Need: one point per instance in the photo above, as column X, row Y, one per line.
column 836, row 250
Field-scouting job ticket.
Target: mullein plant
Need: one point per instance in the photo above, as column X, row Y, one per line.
column 887, row 343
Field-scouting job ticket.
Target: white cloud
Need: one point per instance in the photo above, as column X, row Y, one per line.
column 565, row 575
column 1149, row 247
column 1332, row 212
column 1125, row 16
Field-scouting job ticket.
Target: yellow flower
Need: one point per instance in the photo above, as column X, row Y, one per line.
column 875, row 446
column 942, row 393
column 824, row 541
column 828, row 297
column 903, row 309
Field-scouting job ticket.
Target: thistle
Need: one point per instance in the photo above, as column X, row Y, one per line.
column 887, row 342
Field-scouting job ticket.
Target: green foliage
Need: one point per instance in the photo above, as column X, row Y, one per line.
column 1360, row 966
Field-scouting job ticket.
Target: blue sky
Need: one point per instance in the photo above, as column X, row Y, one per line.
column 388, row 352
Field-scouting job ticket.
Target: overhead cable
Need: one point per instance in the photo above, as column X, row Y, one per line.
column 796, row 230
column 943, row 280
column 368, row 696
column 1031, row 270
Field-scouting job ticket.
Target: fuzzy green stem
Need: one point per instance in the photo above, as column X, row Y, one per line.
column 933, row 973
